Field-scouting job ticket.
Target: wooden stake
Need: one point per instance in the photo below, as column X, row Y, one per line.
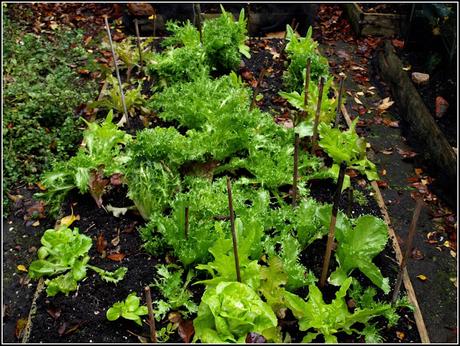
column 232, row 224
column 330, row 238
column 307, row 84
column 350, row 200
column 314, row 138
column 136, row 25
column 408, row 242
column 148, row 298
column 296, row 168
column 339, row 101
column 186, row 223
column 256, row 90
column 118, row 75
column 197, row 12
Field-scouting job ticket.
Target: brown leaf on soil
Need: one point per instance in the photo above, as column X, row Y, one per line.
column 14, row 198
column 101, row 244
column 400, row 335
column 116, row 256
column 417, row 254
column 382, row 184
column 351, row 173
column 384, row 105
column 398, row 43
column 387, row 151
column 186, row 330
column 36, row 211
column 19, row 329
column 406, row 154
column 422, row 277
column 391, row 123
column 54, row 312
column 247, row 75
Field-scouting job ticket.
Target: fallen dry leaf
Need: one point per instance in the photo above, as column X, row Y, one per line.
column 21, row 268
column 357, row 100
column 384, row 105
column 54, row 312
column 417, row 254
column 19, row 329
column 422, row 277
column 68, row 220
column 406, row 153
column 116, row 256
column 398, row 43
column 101, row 244
column 387, row 151
column 400, row 335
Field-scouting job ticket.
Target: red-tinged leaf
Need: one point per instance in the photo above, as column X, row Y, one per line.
column 398, row 43
column 97, row 184
column 101, row 244
column 254, row 338
column 19, row 329
column 54, row 312
column 118, row 257
column 362, row 110
column 382, row 183
column 84, row 71
column 441, row 106
column 186, row 330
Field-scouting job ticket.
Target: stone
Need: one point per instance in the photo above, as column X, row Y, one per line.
column 420, row 78
column 141, row 9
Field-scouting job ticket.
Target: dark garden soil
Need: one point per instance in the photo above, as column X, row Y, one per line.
column 80, row 317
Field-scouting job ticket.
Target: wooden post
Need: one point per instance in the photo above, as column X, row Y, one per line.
column 186, row 222
column 148, row 298
column 256, row 90
column 136, row 25
column 408, row 242
column 314, row 138
column 330, row 238
column 232, row 224
column 197, row 13
column 118, row 74
column 339, row 101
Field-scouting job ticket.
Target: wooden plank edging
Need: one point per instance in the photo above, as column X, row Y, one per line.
column 406, row 279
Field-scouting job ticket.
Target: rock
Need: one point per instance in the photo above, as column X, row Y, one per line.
column 420, row 78
column 140, row 9
column 441, row 106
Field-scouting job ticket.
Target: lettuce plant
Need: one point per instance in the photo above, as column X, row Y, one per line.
column 176, row 295
column 347, row 146
column 64, row 255
column 130, row 309
column 96, row 161
column 319, row 318
column 328, row 105
column 111, row 98
column 224, row 41
column 298, row 50
column 231, row 310
column 357, row 246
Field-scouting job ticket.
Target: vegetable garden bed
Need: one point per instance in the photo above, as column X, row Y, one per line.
column 154, row 201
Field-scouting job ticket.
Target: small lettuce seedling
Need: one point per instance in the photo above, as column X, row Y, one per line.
column 64, row 254
column 129, row 308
